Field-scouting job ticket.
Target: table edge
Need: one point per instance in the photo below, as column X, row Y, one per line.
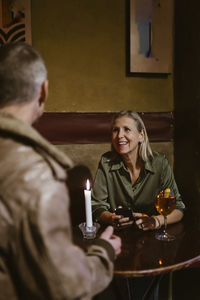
column 160, row 270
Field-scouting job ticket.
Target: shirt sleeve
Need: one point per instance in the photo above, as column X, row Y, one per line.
column 100, row 201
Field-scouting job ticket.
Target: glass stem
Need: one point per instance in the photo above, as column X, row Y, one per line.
column 165, row 224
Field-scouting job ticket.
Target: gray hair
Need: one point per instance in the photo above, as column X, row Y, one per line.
column 144, row 151
column 22, row 72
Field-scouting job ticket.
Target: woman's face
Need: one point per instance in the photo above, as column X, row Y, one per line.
column 125, row 136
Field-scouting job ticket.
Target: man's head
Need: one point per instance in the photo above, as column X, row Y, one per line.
column 22, row 73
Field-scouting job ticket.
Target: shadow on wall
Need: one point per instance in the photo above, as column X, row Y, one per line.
column 76, row 181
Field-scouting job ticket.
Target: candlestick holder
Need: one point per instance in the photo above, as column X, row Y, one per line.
column 89, row 232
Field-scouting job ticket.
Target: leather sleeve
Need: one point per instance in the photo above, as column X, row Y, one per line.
column 44, row 263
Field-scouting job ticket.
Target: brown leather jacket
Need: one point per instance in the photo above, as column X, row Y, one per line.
column 37, row 257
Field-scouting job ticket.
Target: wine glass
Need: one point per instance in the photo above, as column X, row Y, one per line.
column 165, row 203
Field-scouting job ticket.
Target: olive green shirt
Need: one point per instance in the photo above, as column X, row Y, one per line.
column 113, row 187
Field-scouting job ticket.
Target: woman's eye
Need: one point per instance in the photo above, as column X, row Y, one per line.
column 115, row 130
column 127, row 129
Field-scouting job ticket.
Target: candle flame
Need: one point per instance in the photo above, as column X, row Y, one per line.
column 87, row 185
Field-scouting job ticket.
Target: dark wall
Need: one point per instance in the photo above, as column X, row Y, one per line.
column 187, row 101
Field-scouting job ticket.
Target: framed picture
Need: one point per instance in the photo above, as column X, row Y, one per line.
column 15, row 21
column 151, row 36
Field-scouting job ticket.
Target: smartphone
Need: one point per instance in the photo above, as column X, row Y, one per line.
column 125, row 212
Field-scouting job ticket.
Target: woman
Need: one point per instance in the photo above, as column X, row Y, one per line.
column 130, row 176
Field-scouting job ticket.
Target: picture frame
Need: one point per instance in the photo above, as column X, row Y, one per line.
column 151, row 36
column 15, row 21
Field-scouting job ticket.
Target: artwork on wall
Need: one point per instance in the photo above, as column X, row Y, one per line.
column 151, row 36
column 15, row 21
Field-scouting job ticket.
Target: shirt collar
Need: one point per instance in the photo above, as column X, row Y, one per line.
column 149, row 167
column 118, row 164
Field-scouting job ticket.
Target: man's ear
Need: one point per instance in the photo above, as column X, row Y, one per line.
column 43, row 92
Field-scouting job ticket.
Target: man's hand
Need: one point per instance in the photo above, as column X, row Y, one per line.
column 116, row 221
column 114, row 240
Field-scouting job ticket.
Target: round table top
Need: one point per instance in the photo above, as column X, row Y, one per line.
column 142, row 254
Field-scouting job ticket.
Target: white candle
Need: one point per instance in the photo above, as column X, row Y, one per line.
column 88, row 206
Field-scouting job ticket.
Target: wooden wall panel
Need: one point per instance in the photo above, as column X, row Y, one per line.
column 94, row 128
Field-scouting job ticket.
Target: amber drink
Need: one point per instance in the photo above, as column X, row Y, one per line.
column 165, row 203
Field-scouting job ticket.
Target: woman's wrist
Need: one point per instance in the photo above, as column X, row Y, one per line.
column 158, row 222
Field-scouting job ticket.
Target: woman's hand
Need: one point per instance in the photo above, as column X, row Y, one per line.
column 122, row 222
column 109, row 218
column 145, row 222
column 117, row 221
column 126, row 217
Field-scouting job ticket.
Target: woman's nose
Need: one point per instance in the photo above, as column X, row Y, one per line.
column 121, row 133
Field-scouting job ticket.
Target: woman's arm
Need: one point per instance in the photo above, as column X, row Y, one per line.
column 174, row 217
column 155, row 222
column 100, row 203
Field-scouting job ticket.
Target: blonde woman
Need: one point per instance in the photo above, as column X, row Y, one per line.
column 130, row 175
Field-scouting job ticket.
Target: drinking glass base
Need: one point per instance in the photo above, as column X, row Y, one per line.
column 165, row 237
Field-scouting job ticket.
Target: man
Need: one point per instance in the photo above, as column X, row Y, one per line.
column 37, row 257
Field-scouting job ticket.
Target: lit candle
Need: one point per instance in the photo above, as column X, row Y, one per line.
column 88, row 207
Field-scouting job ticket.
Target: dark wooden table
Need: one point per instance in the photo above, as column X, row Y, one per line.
column 142, row 254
